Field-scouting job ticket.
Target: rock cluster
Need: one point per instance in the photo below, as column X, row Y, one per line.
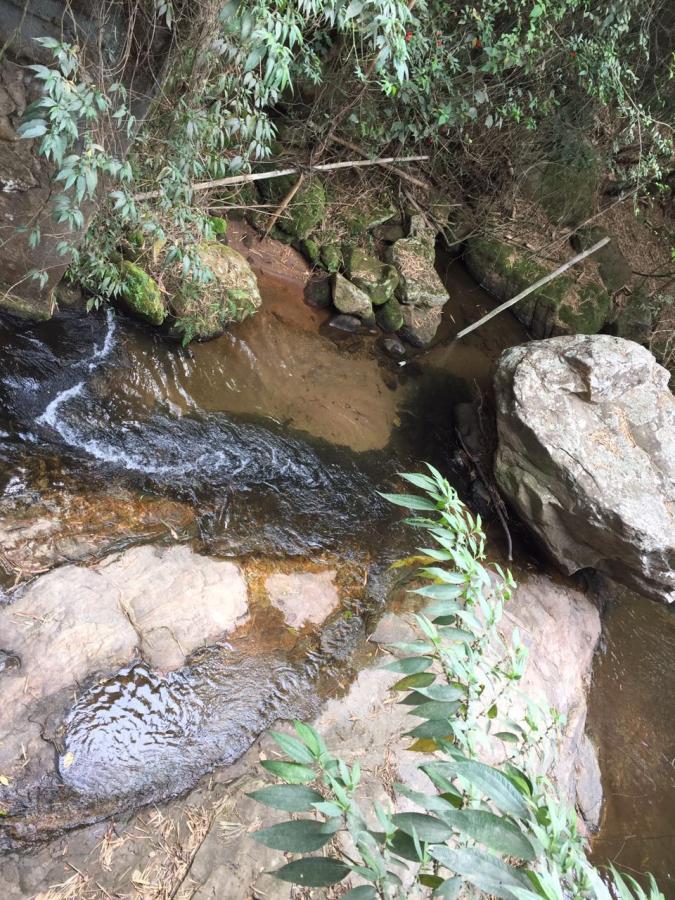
column 403, row 295
column 587, row 455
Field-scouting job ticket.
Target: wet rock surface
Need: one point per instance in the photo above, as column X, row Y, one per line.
column 308, row 597
column 201, row 845
column 586, row 455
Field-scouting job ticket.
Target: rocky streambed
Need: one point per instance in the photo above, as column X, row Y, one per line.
column 194, row 546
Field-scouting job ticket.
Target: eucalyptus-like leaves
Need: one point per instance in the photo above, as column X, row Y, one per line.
column 498, row 829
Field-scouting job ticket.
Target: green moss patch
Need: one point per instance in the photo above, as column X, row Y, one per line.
column 560, row 307
column 140, row 294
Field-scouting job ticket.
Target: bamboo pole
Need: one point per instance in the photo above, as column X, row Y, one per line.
column 401, row 174
column 278, row 173
column 533, row 287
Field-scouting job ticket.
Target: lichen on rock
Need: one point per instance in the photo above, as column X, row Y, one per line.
column 419, row 282
column 203, row 311
column 350, row 299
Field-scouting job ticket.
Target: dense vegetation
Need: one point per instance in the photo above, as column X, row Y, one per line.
column 497, row 828
column 478, row 87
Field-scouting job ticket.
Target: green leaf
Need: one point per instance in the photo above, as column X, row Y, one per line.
column 254, row 58
column 314, row 871
column 433, row 728
column 449, row 889
column 441, row 607
column 427, row 828
column 418, row 680
column 289, row 771
column 310, row 737
column 363, row 892
column 410, row 501
column 33, row 129
column 301, row 836
column 436, row 709
column 508, row 737
column 444, row 692
column 490, row 782
column 292, row 747
column 409, row 665
column 432, row 881
column 495, row 832
column 483, row 870
column 403, row 845
column 289, row 797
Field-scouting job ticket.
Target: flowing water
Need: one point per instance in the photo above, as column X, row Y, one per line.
column 280, row 438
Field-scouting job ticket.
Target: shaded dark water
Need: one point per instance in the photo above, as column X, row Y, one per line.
column 632, row 720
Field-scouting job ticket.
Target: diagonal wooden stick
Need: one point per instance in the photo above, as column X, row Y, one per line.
column 533, row 287
column 261, row 176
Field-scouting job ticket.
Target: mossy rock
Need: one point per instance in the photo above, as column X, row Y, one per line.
column 350, row 299
column 389, row 316
column 561, row 307
column 331, row 258
column 305, row 211
column 310, row 250
column 419, row 282
column 379, row 280
column 203, row 311
column 364, row 220
column 34, row 310
column 613, row 267
column 218, row 225
column 140, row 294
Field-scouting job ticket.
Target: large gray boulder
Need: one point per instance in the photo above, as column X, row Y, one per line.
column 586, row 455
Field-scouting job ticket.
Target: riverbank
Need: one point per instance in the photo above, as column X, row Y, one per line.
column 263, row 457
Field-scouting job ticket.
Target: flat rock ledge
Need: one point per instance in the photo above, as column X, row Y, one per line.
column 153, row 602
column 586, row 455
column 200, row 846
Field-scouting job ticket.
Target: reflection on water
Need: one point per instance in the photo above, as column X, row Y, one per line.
column 632, row 719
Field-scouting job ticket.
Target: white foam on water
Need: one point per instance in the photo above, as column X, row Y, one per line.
column 49, row 416
column 101, row 353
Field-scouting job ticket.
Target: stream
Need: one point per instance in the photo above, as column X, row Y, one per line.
column 277, row 437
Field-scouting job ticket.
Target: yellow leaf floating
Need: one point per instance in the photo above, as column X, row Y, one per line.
column 4, row 780
column 68, row 759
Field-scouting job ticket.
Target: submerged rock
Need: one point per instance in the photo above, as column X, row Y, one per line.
column 561, row 307
column 75, row 621
column 587, row 455
column 350, row 299
column 345, row 323
column 205, row 311
column 304, row 597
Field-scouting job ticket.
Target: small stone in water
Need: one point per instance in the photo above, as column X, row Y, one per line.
column 394, row 348
column 345, row 323
column 318, row 293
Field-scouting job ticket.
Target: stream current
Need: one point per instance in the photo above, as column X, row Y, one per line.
column 280, row 439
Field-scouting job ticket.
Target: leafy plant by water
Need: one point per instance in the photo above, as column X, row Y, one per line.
column 414, row 74
column 497, row 829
